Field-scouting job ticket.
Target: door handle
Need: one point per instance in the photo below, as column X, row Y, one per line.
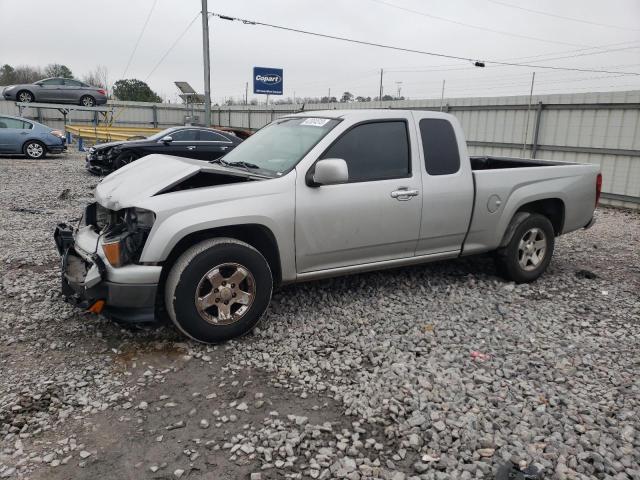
column 223, row 148
column 191, row 147
column 403, row 194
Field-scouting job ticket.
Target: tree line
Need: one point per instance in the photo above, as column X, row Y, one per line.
column 347, row 97
column 130, row 89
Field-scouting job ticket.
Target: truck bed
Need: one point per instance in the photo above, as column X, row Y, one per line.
column 503, row 184
column 496, row 163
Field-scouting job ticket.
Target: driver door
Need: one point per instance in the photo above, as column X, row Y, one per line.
column 184, row 144
column 49, row 90
column 376, row 215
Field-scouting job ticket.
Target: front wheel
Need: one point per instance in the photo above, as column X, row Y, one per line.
column 34, row 150
column 529, row 251
column 218, row 290
column 123, row 159
column 25, row 96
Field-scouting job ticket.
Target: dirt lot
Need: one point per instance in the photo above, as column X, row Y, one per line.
column 440, row 371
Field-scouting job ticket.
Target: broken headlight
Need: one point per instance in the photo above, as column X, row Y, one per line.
column 123, row 239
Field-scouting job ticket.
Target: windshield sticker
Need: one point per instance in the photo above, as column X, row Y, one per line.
column 315, row 122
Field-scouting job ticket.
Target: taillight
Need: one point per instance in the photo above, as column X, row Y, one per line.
column 102, row 92
column 598, row 188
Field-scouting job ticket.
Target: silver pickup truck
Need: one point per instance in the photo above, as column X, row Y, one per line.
column 309, row 196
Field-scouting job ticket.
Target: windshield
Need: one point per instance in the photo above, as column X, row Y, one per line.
column 279, row 146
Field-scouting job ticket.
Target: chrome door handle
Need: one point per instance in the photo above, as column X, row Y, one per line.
column 404, row 194
column 223, row 148
column 191, row 147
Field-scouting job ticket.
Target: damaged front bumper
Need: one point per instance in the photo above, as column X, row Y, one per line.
column 128, row 292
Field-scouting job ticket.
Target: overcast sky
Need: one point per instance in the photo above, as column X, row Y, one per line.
column 84, row 34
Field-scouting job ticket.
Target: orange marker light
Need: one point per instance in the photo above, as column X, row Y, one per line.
column 96, row 307
column 112, row 252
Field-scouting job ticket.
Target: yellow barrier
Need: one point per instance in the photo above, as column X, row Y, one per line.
column 109, row 133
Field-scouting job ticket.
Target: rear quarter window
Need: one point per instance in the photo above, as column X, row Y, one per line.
column 440, row 146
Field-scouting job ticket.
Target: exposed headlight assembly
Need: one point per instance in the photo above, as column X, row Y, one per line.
column 123, row 238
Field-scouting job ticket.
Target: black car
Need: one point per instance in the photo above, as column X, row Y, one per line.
column 191, row 142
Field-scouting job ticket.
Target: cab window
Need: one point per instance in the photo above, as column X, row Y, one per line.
column 374, row 151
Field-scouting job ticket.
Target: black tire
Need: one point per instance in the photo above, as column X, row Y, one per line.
column 516, row 261
column 25, row 96
column 87, row 101
column 188, row 275
column 34, row 150
column 125, row 158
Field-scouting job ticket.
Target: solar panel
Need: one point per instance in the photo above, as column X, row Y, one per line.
column 185, row 88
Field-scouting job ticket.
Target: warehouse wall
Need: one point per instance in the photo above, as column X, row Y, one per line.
column 601, row 128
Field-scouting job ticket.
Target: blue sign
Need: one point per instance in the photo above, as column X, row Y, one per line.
column 267, row 80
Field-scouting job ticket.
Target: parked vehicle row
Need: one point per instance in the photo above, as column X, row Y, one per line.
column 56, row 90
column 311, row 195
column 21, row 136
column 192, row 142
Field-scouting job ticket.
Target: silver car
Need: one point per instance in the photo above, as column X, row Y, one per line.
column 57, row 90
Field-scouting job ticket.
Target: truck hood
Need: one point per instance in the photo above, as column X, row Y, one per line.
column 155, row 173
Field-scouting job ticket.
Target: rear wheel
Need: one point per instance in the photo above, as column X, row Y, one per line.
column 25, row 96
column 218, row 290
column 87, row 101
column 34, row 149
column 529, row 251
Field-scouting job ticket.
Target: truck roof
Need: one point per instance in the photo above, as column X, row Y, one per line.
column 365, row 113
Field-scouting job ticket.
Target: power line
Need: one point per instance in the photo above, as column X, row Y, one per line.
column 135, row 47
column 539, row 60
column 184, row 32
column 411, row 50
column 539, row 57
column 563, row 17
column 477, row 27
column 123, row 109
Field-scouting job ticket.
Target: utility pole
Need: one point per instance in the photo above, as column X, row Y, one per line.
column 246, row 93
column 207, row 67
column 381, row 73
column 526, row 128
column 442, row 96
column 399, row 84
column 329, row 97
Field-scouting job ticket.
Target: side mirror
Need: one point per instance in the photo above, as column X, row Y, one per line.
column 330, row 171
column 167, row 139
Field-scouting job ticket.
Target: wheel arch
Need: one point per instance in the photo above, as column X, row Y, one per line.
column 33, row 139
column 552, row 208
column 258, row 236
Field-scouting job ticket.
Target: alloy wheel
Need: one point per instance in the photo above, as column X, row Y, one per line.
column 225, row 294
column 532, row 249
column 35, row 150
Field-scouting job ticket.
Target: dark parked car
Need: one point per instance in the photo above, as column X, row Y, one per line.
column 192, row 142
column 56, row 90
column 33, row 139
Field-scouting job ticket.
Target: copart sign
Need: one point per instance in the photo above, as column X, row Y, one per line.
column 267, row 80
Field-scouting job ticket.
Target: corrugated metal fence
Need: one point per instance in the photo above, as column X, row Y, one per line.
column 601, row 128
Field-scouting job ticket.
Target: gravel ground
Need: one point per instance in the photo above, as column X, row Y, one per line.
column 439, row 371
